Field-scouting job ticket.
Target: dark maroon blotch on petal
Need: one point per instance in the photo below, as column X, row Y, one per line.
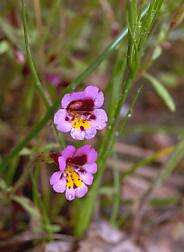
column 81, row 128
column 79, row 160
column 81, row 105
column 92, row 117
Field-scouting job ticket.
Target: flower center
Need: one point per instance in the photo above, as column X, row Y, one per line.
column 72, row 178
column 80, row 123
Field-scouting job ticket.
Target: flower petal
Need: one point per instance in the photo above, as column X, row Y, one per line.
column 62, row 163
column 101, row 119
column 77, row 134
column 90, row 133
column 83, row 150
column 86, row 177
column 91, row 156
column 70, row 194
column 68, row 151
column 60, row 122
column 91, row 168
column 55, row 177
column 99, row 100
column 81, row 191
column 94, row 93
column 60, row 186
column 89, row 151
column 67, row 98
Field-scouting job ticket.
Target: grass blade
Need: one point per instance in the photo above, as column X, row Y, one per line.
column 171, row 164
column 161, row 91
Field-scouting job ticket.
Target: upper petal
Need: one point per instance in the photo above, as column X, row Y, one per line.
column 62, row 163
column 91, row 156
column 95, row 93
column 88, row 151
column 91, row 168
column 68, row 151
column 83, row 150
column 67, row 98
column 60, row 122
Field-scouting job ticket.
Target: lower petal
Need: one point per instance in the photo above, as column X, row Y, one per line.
column 60, row 186
column 60, row 122
column 55, row 177
column 81, row 191
column 70, row 194
column 77, row 134
column 86, row 177
column 90, row 133
column 91, row 168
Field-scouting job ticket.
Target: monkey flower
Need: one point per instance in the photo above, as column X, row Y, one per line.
column 81, row 113
column 76, row 169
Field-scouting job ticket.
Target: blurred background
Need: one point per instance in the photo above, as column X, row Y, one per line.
column 132, row 213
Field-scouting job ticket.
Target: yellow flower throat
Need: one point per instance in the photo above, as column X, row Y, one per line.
column 72, row 178
column 80, row 123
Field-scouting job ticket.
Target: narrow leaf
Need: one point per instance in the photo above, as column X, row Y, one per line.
column 161, row 91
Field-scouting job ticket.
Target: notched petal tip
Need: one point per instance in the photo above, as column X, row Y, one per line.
column 70, row 194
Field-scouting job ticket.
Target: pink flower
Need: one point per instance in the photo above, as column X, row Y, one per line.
column 76, row 169
column 81, row 113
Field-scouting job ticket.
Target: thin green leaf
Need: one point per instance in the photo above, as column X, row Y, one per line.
column 30, row 209
column 171, row 164
column 161, row 91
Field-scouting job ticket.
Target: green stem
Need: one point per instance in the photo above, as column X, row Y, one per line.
column 30, row 60
column 42, row 92
column 88, row 203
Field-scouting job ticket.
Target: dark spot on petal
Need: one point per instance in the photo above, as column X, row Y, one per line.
column 66, row 118
column 82, row 170
column 81, row 128
column 92, row 117
column 74, row 186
